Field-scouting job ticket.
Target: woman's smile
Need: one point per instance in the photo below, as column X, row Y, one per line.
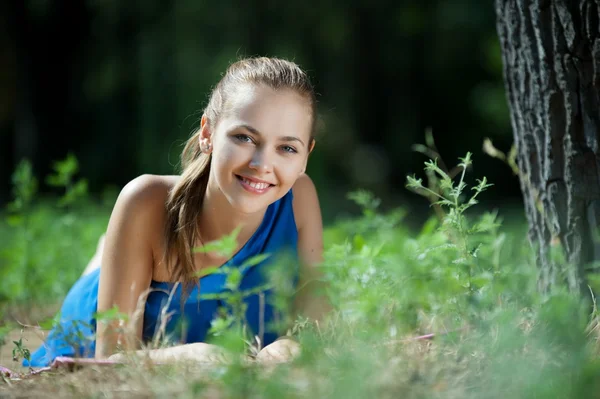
column 253, row 185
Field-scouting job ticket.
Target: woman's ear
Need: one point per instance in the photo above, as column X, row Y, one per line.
column 204, row 128
column 204, row 138
column 311, row 146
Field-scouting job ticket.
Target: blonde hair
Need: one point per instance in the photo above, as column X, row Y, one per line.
column 184, row 203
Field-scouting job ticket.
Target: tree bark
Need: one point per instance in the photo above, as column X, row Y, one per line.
column 551, row 57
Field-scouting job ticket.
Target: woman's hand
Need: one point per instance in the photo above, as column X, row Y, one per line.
column 198, row 352
column 280, row 351
column 117, row 358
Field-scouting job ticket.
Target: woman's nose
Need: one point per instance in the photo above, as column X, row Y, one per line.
column 261, row 161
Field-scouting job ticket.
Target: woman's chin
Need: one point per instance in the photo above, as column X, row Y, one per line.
column 246, row 208
column 251, row 204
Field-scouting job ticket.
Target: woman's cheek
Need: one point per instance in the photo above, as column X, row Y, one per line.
column 289, row 175
column 227, row 155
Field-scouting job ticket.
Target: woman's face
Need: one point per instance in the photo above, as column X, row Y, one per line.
column 260, row 146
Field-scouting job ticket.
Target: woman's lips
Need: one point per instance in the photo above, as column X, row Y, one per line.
column 253, row 185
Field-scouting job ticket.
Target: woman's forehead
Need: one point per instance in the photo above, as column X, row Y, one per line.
column 249, row 97
column 269, row 111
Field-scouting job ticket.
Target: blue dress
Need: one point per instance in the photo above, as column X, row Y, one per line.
column 73, row 334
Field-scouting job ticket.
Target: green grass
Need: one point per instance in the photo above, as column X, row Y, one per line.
column 463, row 275
column 46, row 241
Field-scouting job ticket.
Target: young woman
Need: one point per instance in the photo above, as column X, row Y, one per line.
column 243, row 167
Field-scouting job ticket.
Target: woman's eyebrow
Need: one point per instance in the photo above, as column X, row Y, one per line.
column 256, row 132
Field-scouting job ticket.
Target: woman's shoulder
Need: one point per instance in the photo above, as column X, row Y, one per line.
column 140, row 209
column 148, row 188
column 145, row 196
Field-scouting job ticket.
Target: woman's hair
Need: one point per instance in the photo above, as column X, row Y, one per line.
column 184, row 202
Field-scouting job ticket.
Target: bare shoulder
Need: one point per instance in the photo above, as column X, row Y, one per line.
column 306, row 201
column 147, row 189
column 142, row 202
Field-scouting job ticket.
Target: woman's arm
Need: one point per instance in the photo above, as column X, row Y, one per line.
column 310, row 300
column 127, row 261
column 198, row 352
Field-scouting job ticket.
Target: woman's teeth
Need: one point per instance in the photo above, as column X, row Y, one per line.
column 258, row 186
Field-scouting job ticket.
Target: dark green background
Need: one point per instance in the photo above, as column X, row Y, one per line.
column 120, row 84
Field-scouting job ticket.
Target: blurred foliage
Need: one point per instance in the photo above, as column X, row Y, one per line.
column 46, row 243
column 127, row 80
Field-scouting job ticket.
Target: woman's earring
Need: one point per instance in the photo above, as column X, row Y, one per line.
column 205, row 147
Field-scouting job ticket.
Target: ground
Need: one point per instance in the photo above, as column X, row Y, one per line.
column 32, row 339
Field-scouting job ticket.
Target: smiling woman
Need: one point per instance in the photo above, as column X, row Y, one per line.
column 243, row 168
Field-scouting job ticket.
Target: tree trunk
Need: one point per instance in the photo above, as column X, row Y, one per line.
column 551, row 56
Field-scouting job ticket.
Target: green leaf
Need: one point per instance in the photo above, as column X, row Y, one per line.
column 365, row 199
column 234, row 278
column 444, row 202
column 482, row 280
column 483, row 185
column 446, row 185
column 432, row 166
column 358, row 242
column 111, row 315
column 219, row 295
column 429, row 226
column 254, row 260
column 413, row 182
column 64, row 171
column 256, row 290
column 14, row 220
column 79, row 190
column 466, row 161
column 50, row 323
column 223, row 247
column 24, row 186
column 220, row 325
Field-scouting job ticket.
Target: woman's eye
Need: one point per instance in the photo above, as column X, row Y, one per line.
column 243, row 138
column 287, row 148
